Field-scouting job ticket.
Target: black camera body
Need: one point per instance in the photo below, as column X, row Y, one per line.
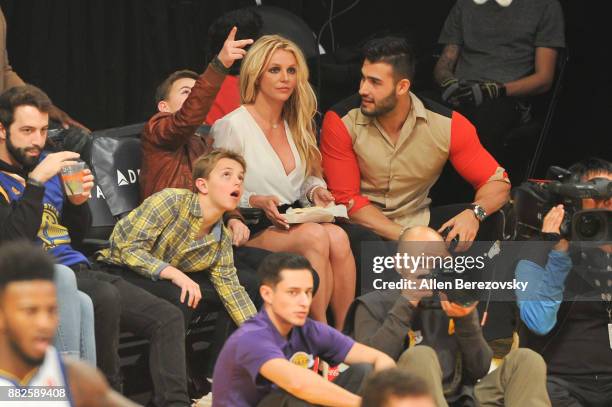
column 462, row 297
column 533, row 199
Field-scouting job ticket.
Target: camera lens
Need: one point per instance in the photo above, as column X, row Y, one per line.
column 589, row 225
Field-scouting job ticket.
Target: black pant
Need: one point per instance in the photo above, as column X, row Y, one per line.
column 493, row 120
column 165, row 289
column 119, row 304
column 580, row 390
column 246, row 260
column 351, row 379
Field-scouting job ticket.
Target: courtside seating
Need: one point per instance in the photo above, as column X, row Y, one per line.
column 115, row 161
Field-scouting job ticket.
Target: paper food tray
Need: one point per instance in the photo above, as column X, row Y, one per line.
column 315, row 214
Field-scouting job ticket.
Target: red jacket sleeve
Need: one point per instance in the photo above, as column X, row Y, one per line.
column 469, row 158
column 340, row 163
column 172, row 131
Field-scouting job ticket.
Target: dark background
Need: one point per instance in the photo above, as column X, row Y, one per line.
column 100, row 60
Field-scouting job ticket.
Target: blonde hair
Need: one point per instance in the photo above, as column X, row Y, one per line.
column 299, row 109
column 204, row 164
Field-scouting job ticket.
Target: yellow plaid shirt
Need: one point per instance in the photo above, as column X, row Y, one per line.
column 163, row 231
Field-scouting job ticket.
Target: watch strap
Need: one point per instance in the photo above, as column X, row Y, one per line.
column 35, row 183
column 479, row 212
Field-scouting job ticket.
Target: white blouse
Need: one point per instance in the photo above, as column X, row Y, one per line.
column 239, row 132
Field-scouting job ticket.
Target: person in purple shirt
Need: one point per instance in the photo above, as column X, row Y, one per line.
column 268, row 361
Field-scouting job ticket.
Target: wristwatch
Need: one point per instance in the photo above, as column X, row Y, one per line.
column 35, row 183
column 479, row 212
column 551, row 237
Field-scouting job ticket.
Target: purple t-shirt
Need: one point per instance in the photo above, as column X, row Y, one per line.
column 236, row 380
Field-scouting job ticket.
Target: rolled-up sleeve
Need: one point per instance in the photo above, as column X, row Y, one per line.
column 541, row 299
column 233, row 295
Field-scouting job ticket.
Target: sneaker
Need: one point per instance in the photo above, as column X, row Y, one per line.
column 205, row 401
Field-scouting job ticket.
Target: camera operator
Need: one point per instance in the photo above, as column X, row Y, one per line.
column 566, row 309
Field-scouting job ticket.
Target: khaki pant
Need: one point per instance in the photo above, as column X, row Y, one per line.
column 519, row 381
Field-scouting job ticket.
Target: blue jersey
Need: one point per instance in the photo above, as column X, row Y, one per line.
column 52, row 235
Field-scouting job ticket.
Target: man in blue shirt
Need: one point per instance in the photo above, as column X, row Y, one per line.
column 566, row 307
column 270, row 359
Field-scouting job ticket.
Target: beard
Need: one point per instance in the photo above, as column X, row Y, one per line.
column 385, row 105
column 25, row 358
column 19, row 154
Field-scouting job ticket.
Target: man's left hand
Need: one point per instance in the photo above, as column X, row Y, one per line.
column 88, row 183
column 492, row 90
column 466, row 226
column 240, row 232
column 66, row 121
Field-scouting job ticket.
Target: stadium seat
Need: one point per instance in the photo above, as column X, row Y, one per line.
column 115, row 162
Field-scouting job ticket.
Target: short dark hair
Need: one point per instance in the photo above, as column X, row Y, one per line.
column 392, row 383
column 394, row 51
column 21, row 261
column 161, row 93
column 26, row 95
column 270, row 268
column 249, row 24
column 590, row 166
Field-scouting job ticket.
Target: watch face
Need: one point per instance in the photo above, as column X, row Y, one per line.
column 479, row 212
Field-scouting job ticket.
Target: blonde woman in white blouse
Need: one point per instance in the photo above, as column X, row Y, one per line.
column 274, row 131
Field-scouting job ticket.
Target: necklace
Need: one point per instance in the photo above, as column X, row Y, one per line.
column 272, row 125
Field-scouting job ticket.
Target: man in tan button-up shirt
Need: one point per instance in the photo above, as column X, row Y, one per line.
column 382, row 159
